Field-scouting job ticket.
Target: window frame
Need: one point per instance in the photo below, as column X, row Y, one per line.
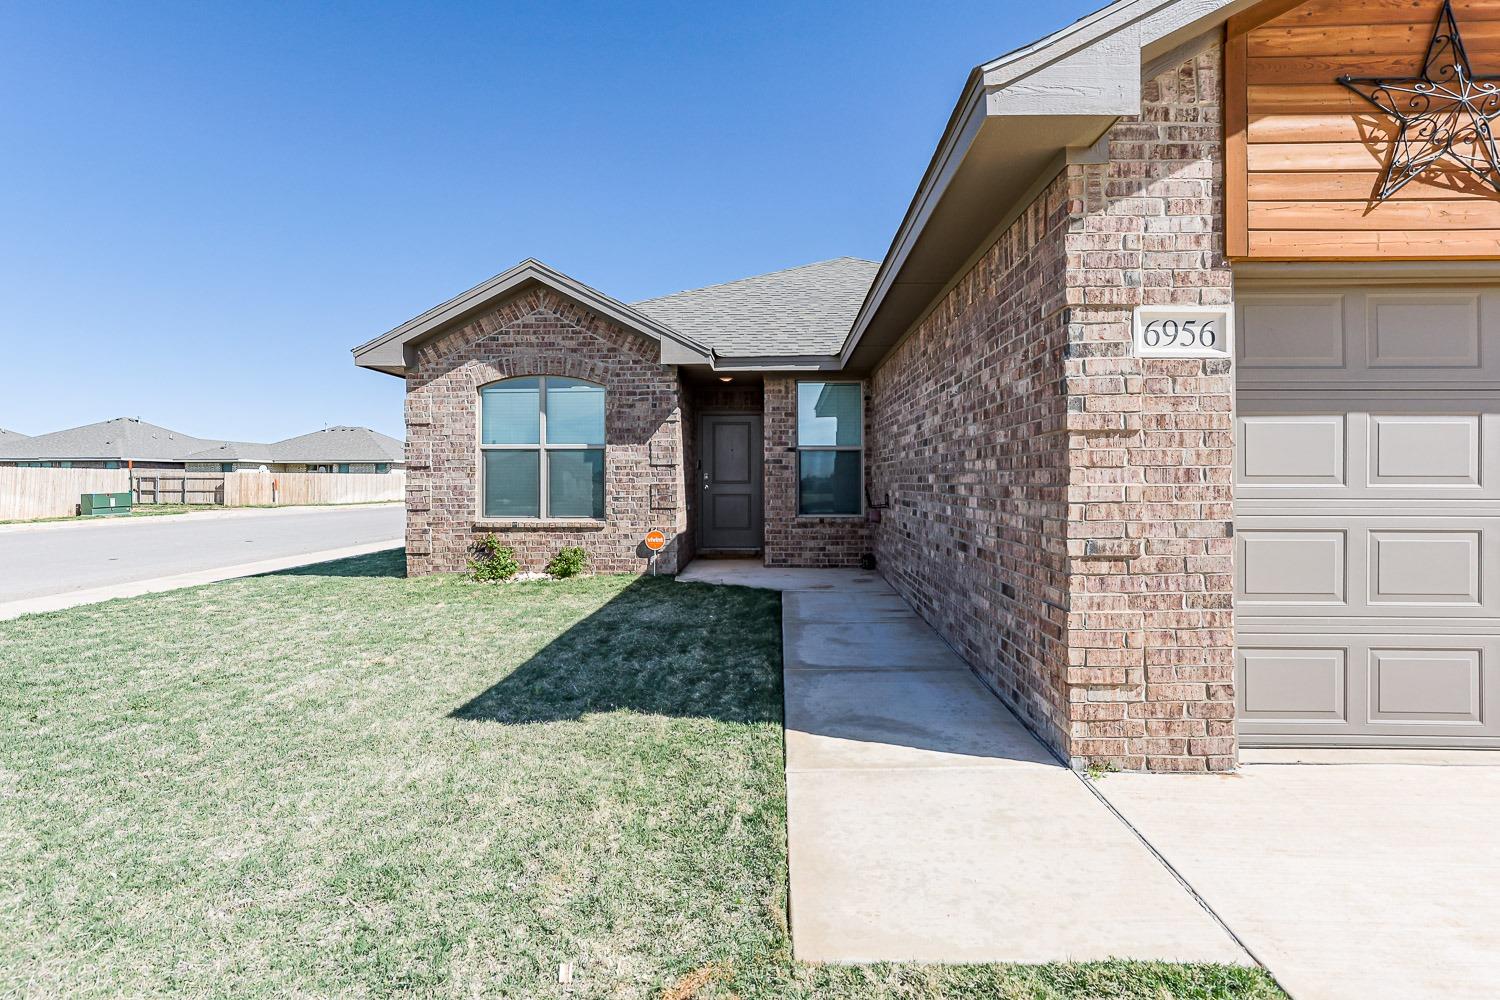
column 542, row 449
column 859, row 448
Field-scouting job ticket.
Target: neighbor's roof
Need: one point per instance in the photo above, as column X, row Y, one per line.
column 232, row 451
column 121, row 439
column 6, row 435
column 332, row 444
column 798, row 311
column 340, row 444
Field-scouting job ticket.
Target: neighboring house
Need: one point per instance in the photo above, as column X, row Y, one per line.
column 10, row 437
column 108, row 444
column 1150, row 343
column 131, row 442
column 334, row 449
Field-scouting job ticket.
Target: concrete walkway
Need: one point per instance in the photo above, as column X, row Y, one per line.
column 924, row 823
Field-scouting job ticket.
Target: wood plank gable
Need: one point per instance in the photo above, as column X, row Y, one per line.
column 1304, row 155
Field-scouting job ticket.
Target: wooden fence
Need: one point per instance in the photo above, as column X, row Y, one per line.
column 27, row 493
column 31, row 493
column 177, row 487
column 260, row 489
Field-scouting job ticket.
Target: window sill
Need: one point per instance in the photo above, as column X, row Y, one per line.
column 831, row 517
column 540, row 524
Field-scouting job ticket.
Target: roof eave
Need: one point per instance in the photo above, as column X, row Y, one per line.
column 1017, row 116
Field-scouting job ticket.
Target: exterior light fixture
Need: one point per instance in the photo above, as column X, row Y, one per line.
column 726, row 378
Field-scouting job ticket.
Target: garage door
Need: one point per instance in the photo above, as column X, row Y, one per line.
column 1367, row 516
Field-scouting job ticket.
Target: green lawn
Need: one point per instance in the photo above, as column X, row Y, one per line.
column 340, row 782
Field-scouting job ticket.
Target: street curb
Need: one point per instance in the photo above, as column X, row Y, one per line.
column 135, row 588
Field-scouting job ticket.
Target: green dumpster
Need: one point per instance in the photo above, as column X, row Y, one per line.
column 103, row 504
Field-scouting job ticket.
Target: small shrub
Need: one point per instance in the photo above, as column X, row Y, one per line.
column 569, row 562
column 493, row 561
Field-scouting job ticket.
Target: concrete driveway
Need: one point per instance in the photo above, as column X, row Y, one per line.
column 48, row 566
column 1374, row 877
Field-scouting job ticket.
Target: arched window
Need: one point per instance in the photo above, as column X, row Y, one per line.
column 542, row 448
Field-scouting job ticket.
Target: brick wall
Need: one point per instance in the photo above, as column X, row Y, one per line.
column 967, row 448
column 793, row 540
column 538, row 332
column 1061, row 510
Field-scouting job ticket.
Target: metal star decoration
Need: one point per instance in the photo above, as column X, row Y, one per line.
column 1443, row 114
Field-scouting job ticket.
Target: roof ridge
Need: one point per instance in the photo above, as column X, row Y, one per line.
column 755, row 277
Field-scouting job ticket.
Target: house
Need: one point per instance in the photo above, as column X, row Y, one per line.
column 333, row 449
column 129, row 442
column 108, row 444
column 10, row 437
column 1174, row 404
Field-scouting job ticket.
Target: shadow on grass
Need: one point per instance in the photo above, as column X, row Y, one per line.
column 390, row 563
column 658, row 648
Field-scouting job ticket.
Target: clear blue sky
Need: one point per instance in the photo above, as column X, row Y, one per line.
column 204, row 206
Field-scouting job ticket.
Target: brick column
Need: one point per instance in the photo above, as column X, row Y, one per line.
column 1150, row 635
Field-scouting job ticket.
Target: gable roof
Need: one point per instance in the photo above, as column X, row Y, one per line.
column 387, row 353
column 331, row 444
column 120, row 439
column 796, row 311
column 6, row 435
column 232, row 451
column 340, row 444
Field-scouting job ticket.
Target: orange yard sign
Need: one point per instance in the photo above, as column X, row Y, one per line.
column 656, row 540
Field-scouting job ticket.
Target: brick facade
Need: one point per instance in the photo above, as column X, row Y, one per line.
column 1062, row 510
column 792, row 540
column 537, row 332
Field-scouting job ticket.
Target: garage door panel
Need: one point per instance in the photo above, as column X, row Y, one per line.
column 1421, row 331
column 1292, row 450
column 1292, row 683
column 1384, row 450
column 1425, row 686
column 1425, row 567
column 1422, row 450
column 1297, row 567
column 1353, row 689
column 1367, row 338
column 1367, row 566
column 1290, row 331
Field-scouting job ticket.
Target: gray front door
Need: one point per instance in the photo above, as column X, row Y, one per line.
column 729, row 511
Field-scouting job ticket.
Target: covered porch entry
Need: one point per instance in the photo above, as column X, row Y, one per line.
column 726, row 467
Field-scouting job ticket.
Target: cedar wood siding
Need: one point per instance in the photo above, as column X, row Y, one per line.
column 1305, row 154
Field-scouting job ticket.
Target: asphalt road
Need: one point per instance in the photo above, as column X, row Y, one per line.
column 37, row 562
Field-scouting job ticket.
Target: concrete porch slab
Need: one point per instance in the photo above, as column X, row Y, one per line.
column 1360, row 881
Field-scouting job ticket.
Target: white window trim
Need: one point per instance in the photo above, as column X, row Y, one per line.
column 542, row 448
column 797, row 432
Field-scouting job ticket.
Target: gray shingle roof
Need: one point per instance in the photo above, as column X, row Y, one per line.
column 232, row 451
column 12, row 436
column 340, row 444
column 802, row 310
column 123, row 438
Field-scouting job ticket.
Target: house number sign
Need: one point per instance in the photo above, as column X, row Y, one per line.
column 1183, row 331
